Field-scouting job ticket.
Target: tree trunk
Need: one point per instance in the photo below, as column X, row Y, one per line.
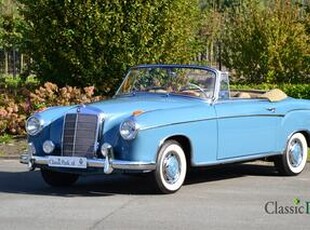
column 21, row 63
column 6, row 62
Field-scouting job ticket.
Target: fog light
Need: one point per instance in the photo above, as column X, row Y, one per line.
column 31, row 149
column 48, row 147
column 105, row 148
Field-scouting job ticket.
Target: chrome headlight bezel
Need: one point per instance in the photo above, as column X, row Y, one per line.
column 129, row 129
column 33, row 125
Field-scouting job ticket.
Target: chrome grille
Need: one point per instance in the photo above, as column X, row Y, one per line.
column 80, row 135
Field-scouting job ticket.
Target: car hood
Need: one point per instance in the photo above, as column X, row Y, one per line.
column 115, row 110
column 126, row 105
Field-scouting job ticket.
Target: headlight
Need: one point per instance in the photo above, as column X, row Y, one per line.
column 33, row 126
column 128, row 129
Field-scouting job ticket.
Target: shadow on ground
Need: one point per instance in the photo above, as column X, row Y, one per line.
column 107, row 185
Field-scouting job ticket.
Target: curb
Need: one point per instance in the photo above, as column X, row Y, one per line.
column 10, row 157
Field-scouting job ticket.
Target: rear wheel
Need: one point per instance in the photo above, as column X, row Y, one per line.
column 171, row 167
column 58, row 179
column 294, row 159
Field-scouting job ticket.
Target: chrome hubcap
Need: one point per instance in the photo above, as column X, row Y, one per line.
column 171, row 168
column 295, row 153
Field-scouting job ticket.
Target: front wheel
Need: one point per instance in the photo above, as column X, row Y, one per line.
column 171, row 167
column 58, row 179
column 294, row 159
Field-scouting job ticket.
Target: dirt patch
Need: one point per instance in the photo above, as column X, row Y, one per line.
column 13, row 148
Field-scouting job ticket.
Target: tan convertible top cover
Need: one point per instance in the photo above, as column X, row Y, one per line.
column 274, row 95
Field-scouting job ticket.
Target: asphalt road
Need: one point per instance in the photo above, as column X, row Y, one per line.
column 231, row 197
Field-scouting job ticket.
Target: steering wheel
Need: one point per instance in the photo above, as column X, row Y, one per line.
column 202, row 92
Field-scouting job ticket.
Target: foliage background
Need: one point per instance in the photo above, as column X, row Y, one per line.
column 267, row 43
column 77, row 44
column 83, row 43
column 94, row 42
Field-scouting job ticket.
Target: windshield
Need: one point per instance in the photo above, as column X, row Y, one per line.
column 173, row 80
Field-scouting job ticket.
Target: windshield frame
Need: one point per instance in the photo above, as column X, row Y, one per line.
column 209, row 69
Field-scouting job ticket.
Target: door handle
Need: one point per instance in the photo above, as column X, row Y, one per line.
column 271, row 109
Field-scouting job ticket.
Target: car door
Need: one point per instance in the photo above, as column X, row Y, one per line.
column 246, row 127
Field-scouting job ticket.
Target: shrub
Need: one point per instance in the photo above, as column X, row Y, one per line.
column 12, row 85
column 50, row 95
column 12, row 116
column 16, row 105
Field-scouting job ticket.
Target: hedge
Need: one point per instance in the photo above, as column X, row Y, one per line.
column 292, row 90
column 18, row 101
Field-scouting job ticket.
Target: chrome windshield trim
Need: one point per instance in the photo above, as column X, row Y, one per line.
column 216, row 73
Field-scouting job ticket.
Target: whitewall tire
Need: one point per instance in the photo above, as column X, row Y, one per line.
column 294, row 159
column 171, row 167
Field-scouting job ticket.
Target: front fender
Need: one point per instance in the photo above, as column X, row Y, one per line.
column 202, row 136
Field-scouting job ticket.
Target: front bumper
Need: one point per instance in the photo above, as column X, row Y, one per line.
column 107, row 164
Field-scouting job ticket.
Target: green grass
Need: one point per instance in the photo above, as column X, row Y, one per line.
column 308, row 155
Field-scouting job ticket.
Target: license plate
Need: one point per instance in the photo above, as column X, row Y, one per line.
column 67, row 162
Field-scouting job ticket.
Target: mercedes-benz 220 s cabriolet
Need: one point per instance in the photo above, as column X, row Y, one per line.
column 165, row 119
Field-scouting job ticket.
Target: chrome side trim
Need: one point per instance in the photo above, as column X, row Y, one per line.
column 96, row 163
column 133, row 165
column 237, row 159
column 209, row 119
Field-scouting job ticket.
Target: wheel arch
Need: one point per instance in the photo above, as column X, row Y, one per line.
column 185, row 143
column 295, row 121
column 307, row 136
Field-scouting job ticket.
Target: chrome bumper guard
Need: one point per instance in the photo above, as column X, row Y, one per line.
column 108, row 165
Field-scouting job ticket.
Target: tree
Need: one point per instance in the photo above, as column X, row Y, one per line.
column 10, row 36
column 9, row 23
column 211, row 30
column 267, row 43
column 88, row 42
column 1, row 25
column 306, row 22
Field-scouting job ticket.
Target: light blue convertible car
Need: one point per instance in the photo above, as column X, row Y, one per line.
column 165, row 119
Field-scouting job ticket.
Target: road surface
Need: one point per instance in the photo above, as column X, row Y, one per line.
column 241, row 196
